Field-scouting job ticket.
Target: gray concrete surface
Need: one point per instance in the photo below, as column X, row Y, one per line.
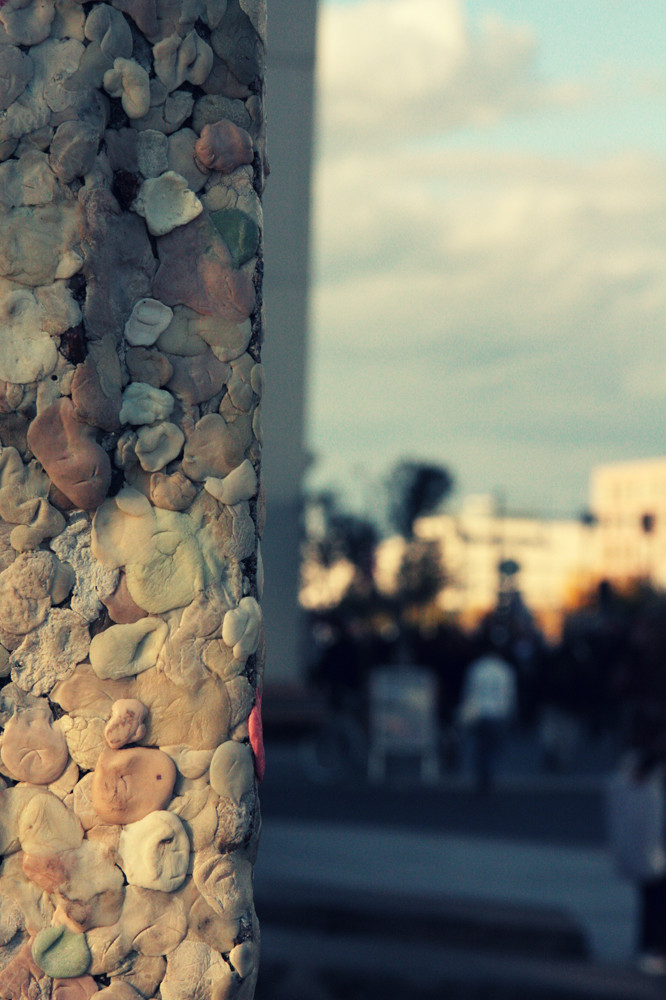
column 579, row 881
column 290, row 115
column 304, row 965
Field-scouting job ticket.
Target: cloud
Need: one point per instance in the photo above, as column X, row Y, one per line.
column 499, row 311
column 509, row 307
column 470, row 246
column 392, row 69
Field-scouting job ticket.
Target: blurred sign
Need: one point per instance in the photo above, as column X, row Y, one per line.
column 403, row 718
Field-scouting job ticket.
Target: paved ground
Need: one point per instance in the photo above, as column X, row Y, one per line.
column 353, row 912
column 340, row 967
column 444, row 892
column 554, row 812
column 532, row 806
column 576, row 881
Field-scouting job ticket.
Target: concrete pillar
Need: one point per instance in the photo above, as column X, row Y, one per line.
column 131, row 641
column 290, row 94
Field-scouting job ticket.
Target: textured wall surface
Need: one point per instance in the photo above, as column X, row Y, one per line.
column 132, row 166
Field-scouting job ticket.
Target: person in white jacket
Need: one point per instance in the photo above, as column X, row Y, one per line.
column 488, row 704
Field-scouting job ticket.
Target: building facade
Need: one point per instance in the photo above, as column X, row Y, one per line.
column 628, row 503
column 552, row 561
column 556, row 562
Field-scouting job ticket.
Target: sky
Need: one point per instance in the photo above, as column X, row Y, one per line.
column 489, row 244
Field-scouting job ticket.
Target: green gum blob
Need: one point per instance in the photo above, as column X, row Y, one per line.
column 62, row 954
column 239, row 232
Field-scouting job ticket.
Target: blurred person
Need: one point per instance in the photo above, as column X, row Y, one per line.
column 636, row 813
column 559, row 723
column 336, row 671
column 488, row 706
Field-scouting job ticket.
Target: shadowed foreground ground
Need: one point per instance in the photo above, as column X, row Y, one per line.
column 374, row 892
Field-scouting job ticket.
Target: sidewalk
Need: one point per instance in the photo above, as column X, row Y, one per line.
column 308, row 966
column 520, row 767
column 364, row 912
column 575, row 882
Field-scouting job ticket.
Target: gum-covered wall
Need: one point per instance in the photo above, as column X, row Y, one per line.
column 132, row 164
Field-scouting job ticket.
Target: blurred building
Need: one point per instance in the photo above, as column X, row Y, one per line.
column 290, row 114
column 556, row 562
column 552, row 560
column 628, row 504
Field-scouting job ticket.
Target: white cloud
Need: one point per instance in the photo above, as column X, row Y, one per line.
column 462, row 243
column 501, row 312
column 389, row 69
column 508, row 302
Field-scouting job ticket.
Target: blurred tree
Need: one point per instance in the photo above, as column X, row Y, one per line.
column 333, row 534
column 414, row 489
column 421, row 574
